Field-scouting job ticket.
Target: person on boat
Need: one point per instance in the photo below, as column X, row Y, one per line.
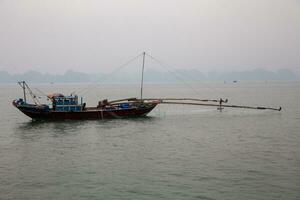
column 53, row 104
column 220, row 106
column 103, row 103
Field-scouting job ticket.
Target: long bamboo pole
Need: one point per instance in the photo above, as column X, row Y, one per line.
column 170, row 99
column 187, row 99
column 173, row 101
column 121, row 100
column 217, row 105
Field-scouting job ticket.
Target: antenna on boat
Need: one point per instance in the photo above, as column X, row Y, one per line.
column 142, row 81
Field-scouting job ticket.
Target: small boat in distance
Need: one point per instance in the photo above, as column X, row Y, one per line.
column 64, row 107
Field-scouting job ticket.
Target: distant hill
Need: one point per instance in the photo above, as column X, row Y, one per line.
column 150, row 76
column 256, row 74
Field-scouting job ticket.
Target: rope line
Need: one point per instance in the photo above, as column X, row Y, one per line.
column 86, row 89
column 188, row 76
column 175, row 75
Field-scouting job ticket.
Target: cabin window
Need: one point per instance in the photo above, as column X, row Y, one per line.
column 59, row 108
column 59, row 101
column 67, row 102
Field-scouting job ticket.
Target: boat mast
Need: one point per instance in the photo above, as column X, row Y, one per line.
column 142, row 81
column 22, row 84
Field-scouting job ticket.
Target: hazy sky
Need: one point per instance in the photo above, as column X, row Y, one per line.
column 95, row 36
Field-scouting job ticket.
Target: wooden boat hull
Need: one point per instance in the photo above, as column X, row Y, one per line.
column 89, row 114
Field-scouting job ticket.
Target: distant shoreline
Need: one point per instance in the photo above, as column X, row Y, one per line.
column 152, row 76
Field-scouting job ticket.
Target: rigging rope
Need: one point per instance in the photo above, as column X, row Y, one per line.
column 85, row 90
column 188, row 76
column 176, row 76
column 41, row 92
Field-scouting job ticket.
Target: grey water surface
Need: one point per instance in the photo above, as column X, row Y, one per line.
column 178, row 152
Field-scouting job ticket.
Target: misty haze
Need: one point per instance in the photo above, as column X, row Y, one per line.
column 97, row 36
column 150, row 99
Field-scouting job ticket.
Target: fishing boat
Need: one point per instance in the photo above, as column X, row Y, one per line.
column 69, row 107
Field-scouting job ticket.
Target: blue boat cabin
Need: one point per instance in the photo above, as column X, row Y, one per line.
column 66, row 104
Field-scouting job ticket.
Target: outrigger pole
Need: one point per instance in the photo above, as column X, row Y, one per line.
column 166, row 99
column 220, row 105
column 189, row 99
column 192, row 101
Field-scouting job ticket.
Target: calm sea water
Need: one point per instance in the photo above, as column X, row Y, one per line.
column 178, row 152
